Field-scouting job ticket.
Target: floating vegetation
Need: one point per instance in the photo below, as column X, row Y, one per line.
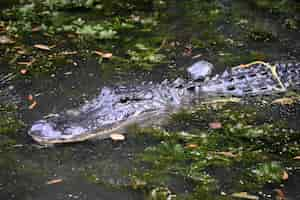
column 253, row 154
column 9, row 126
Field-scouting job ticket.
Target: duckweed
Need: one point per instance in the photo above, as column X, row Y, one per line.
column 254, row 154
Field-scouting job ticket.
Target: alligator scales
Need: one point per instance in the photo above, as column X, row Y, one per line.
column 114, row 109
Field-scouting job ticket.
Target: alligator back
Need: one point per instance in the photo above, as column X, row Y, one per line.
column 254, row 79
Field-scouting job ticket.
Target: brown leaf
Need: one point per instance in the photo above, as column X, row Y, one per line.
column 103, row 55
column 23, row 71
column 6, row 40
column 68, row 52
column 284, row 101
column 27, row 63
column 30, row 97
column 192, row 145
column 54, row 181
column 197, row 56
column 21, row 52
column 244, row 195
column 33, row 105
column 285, row 175
column 42, row 47
column 36, row 29
column 279, row 195
column 215, row 125
column 24, row 63
column 297, row 158
column 227, row 154
column 117, row 137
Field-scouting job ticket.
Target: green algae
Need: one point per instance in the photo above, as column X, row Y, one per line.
column 10, row 125
column 254, row 153
column 9, row 122
column 128, row 32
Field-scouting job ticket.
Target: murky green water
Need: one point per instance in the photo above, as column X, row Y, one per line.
column 223, row 32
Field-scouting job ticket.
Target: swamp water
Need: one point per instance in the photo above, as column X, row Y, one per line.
column 253, row 149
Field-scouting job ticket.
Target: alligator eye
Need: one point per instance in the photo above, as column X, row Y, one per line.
column 263, row 88
column 264, row 73
column 124, row 99
column 191, row 88
column 241, row 77
column 231, row 87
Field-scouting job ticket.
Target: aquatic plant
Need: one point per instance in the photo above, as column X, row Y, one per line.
column 238, row 145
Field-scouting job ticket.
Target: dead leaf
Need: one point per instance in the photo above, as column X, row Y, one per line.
column 296, row 158
column 117, row 137
column 30, row 97
column 68, row 52
column 43, row 47
column 6, row 40
column 227, row 154
column 284, row 101
column 36, row 29
column 244, row 195
column 21, row 52
column 285, row 175
column 279, row 195
column 33, row 105
column 54, row 181
column 23, row 71
column 215, row 125
column 197, row 56
column 103, row 55
column 192, row 145
column 222, row 101
column 25, row 63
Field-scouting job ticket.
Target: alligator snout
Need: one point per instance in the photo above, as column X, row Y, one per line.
column 48, row 131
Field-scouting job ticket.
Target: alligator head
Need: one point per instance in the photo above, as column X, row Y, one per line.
column 111, row 111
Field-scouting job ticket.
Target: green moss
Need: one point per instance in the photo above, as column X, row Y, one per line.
column 261, row 34
column 251, row 151
column 8, row 121
column 291, row 23
column 204, row 12
column 276, row 6
column 268, row 173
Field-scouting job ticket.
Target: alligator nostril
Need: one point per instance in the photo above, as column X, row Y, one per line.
column 230, row 79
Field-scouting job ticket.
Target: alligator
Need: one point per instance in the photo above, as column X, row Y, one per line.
column 150, row 104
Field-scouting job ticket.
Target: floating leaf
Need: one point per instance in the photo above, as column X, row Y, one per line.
column 103, row 55
column 284, row 101
column 33, row 105
column 68, row 52
column 297, row 158
column 279, row 195
column 285, row 175
column 36, row 29
column 6, row 40
column 54, row 181
column 244, row 195
column 215, row 125
column 192, row 145
column 30, row 97
column 117, row 137
column 227, row 154
column 23, row 71
column 43, row 47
